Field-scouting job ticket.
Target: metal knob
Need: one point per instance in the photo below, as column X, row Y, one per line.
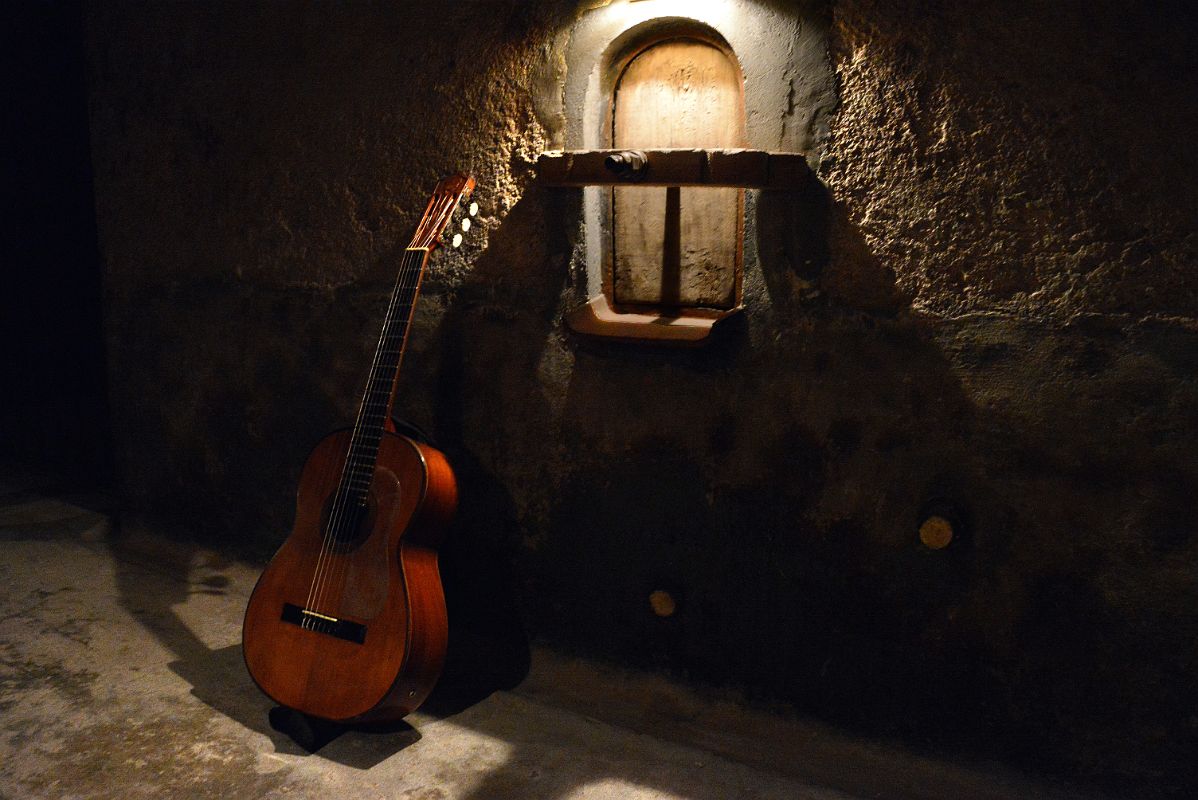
column 627, row 164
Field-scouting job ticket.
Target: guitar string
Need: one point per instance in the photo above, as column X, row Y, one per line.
column 379, row 395
column 346, row 488
column 337, row 511
column 355, row 485
column 376, row 400
column 341, row 499
column 381, row 402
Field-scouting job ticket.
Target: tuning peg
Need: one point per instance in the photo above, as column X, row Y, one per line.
column 457, row 240
column 472, row 210
column 465, row 224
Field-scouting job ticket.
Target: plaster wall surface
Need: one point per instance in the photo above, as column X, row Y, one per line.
column 992, row 300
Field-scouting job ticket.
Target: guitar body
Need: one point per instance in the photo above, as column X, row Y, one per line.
column 355, row 631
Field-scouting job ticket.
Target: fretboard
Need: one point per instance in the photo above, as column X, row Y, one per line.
column 380, row 387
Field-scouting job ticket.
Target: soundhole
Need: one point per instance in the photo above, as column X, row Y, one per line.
column 347, row 520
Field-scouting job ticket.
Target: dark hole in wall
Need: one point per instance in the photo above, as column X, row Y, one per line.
column 54, row 412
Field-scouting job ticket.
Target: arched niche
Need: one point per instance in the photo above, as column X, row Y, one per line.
column 714, row 273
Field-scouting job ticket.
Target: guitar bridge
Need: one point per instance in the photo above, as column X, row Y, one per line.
column 323, row 623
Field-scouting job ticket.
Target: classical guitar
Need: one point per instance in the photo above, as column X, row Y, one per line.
column 348, row 620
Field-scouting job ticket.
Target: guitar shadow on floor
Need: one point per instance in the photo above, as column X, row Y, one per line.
column 219, row 680
column 152, row 583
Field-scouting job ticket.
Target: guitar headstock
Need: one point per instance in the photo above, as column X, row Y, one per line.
column 446, row 199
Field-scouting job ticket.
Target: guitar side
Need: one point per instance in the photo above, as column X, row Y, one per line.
column 358, row 632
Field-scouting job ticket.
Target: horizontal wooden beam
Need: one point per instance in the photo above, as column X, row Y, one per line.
column 750, row 169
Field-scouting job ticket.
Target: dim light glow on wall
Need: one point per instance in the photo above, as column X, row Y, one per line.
column 717, row 13
column 606, row 26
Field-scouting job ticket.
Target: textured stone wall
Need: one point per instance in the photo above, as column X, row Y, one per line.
column 991, row 301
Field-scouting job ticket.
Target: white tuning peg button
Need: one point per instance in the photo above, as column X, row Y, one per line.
column 466, row 224
column 457, row 240
column 473, row 209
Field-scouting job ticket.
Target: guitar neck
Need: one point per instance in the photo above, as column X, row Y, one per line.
column 384, row 373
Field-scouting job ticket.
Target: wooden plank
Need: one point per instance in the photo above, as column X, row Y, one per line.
column 738, row 167
column 749, row 169
column 677, row 246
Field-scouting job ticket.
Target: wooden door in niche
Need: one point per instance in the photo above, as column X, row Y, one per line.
column 678, row 247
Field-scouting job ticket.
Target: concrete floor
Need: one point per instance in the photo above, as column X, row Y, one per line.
column 121, row 676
